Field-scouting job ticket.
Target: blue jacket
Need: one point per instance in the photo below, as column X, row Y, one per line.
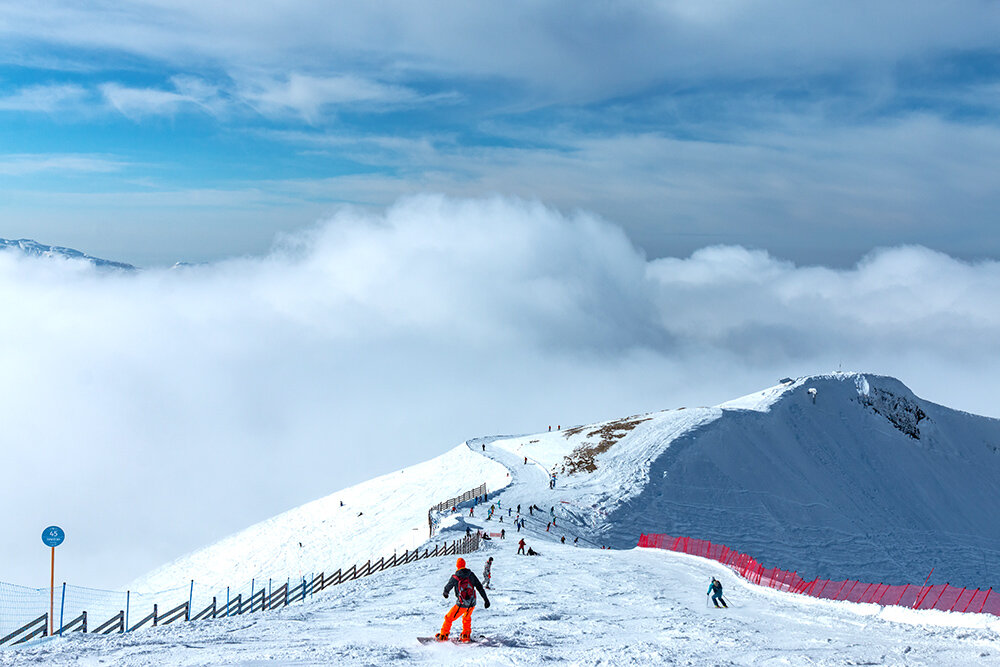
column 711, row 588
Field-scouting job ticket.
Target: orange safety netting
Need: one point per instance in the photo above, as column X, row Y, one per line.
column 936, row 596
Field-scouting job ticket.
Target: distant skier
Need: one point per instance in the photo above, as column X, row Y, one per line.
column 563, row 539
column 520, row 546
column 487, row 572
column 525, row 460
column 715, row 590
column 465, row 583
column 484, row 446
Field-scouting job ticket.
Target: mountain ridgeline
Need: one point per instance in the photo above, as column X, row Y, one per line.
column 843, row 476
column 36, row 249
column 838, row 476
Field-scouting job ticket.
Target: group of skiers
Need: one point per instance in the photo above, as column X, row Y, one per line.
column 465, row 583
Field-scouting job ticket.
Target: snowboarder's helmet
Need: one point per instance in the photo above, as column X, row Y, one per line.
column 460, row 563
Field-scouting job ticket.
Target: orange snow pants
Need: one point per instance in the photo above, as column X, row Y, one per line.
column 452, row 616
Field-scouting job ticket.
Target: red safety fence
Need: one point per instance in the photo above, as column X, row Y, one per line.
column 915, row 596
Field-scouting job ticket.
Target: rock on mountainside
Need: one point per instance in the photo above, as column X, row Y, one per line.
column 34, row 248
column 858, row 478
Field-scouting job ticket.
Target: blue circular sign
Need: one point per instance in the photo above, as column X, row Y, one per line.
column 53, row 536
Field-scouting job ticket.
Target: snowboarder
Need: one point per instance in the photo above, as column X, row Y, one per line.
column 715, row 590
column 520, row 546
column 487, row 572
column 532, row 552
column 465, row 583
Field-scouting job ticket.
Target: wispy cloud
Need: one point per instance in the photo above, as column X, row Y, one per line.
column 308, row 96
column 26, row 164
column 45, row 98
column 190, row 93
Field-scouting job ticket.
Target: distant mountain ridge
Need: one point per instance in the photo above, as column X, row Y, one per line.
column 36, row 249
column 847, row 475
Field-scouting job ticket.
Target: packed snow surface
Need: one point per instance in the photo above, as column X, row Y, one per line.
column 572, row 604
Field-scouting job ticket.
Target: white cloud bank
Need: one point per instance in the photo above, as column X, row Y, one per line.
column 151, row 413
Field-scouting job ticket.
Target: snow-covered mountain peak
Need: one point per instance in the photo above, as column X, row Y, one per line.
column 837, row 475
column 36, row 249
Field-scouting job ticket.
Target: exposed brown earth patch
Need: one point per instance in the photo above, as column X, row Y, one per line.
column 582, row 458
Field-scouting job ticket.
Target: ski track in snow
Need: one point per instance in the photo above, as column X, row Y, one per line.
column 570, row 605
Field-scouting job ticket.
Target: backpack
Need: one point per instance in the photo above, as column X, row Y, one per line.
column 465, row 592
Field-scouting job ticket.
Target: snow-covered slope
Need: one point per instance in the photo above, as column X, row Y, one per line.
column 34, row 248
column 840, row 476
column 578, row 604
column 377, row 517
column 569, row 605
column 866, row 481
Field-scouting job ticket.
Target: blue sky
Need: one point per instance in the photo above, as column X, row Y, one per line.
column 424, row 222
column 155, row 132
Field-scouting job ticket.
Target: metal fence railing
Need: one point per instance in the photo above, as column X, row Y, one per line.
column 454, row 502
column 78, row 606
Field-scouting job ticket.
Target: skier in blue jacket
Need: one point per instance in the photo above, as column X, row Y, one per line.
column 715, row 590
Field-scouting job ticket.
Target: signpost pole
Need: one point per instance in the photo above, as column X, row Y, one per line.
column 52, row 537
column 52, row 589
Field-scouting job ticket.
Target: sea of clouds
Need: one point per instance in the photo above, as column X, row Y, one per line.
column 153, row 412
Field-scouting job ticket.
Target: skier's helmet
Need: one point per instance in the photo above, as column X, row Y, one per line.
column 460, row 563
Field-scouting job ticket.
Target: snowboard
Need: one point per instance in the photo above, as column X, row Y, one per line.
column 476, row 639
